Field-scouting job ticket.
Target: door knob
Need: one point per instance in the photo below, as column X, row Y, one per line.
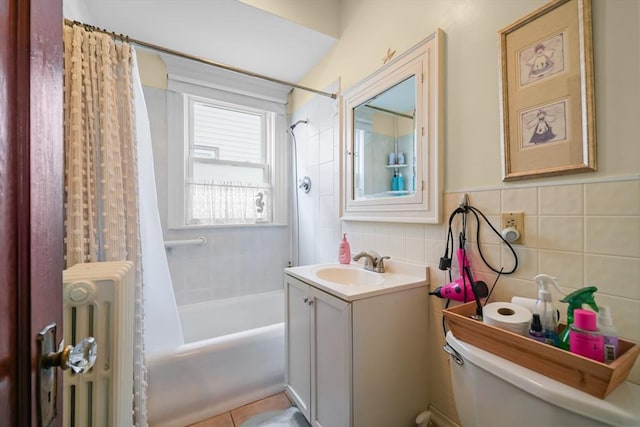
column 80, row 357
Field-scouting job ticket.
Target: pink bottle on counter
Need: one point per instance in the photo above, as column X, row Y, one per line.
column 584, row 337
column 344, row 254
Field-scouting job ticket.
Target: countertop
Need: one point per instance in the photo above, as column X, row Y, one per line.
column 397, row 276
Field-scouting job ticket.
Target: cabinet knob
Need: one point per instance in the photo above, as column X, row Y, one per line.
column 308, row 300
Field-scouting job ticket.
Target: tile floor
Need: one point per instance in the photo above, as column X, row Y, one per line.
column 239, row 415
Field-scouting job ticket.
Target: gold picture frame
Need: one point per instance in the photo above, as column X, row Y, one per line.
column 547, row 104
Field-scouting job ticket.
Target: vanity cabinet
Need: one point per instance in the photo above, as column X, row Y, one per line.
column 359, row 363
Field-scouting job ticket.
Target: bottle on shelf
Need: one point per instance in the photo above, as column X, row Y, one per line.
column 536, row 329
column 400, row 181
column 584, row 337
column 546, row 310
column 609, row 332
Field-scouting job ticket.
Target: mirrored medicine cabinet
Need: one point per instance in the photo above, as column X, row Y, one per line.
column 391, row 144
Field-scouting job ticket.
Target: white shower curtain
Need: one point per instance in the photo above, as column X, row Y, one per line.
column 162, row 325
column 110, row 208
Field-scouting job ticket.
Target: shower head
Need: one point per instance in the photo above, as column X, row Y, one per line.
column 293, row 126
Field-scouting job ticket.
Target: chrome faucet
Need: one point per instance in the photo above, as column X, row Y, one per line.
column 372, row 261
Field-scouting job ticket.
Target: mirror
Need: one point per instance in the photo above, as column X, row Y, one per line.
column 391, row 140
column 384, row 134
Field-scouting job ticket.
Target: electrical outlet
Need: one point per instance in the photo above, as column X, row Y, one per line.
column 514, row 220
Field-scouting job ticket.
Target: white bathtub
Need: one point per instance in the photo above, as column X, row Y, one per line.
column 233, row 354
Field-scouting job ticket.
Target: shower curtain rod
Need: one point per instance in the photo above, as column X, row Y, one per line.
column 195, row 58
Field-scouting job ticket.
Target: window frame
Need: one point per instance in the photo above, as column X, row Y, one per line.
column 201, row 82
column 267, row 140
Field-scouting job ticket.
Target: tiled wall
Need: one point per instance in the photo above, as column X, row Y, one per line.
column 236, row 260
column 317, row 147
column 587, row 233
column 583, row 234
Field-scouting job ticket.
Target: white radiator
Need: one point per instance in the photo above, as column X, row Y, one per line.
column 98, row 301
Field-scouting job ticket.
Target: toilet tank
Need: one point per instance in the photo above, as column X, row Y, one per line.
column 490, row 391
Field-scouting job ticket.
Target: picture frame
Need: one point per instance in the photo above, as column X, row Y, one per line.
column 547, row 99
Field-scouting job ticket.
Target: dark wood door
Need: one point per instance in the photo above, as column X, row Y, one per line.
column 31, row 171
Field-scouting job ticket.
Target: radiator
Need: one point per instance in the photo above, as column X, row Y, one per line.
column 98, row 301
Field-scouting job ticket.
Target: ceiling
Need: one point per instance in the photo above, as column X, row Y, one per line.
column 225, row 31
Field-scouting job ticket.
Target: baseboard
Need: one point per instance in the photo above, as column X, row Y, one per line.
column 439, row 419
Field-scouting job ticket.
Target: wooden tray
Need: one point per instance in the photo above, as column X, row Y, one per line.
column 595, row 378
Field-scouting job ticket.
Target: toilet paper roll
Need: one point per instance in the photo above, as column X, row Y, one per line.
column 507, row 316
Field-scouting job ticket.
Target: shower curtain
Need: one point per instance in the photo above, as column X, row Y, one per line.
column 110, row 205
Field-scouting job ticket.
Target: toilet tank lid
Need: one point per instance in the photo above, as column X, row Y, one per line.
column 619, row 408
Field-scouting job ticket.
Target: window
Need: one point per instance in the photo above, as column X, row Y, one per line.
column 229, row 169
column 227, row 157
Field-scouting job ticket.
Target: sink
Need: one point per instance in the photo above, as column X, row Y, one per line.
column 352, row 282
column 348, row 276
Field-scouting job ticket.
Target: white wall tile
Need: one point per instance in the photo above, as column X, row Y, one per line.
column 566, row 267
column 326, row 246
column 561, row 200
column 520, row 200
column 561, row 233
column 326, row 176
column 489, row 202
column 508, row 287
column 313, row 150
column 326, row 146
column 530, row 237
column 382, row 244
column 397, row 247
column 528, row 261
column 434, row 231
column 613, row 236
column 327, row 212
column 614, row 275
column 415, row 250
column 613, row 198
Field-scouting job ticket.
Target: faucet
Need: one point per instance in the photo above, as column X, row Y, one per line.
column 372, row 261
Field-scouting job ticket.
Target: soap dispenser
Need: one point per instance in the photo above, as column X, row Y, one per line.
column 344, row 254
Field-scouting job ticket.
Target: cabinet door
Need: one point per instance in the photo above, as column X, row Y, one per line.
column 330, row 361
column 298, row 343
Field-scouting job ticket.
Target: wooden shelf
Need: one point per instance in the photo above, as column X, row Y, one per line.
column 595, row 378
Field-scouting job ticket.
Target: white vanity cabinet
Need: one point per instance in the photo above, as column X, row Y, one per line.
column 356, row 363
column 318, row 353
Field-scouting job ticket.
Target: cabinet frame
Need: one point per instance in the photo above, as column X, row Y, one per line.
column 425, row 62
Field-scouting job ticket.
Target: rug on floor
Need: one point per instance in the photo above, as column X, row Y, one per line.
column 291, row 417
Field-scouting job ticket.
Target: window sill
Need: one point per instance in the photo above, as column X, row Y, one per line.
column 214, row 226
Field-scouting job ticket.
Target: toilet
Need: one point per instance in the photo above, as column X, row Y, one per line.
column 490, row 391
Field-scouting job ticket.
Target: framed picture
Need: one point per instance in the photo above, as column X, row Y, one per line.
column 547, row 105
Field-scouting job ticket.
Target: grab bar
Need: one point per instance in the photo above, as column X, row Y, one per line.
column 198, row 241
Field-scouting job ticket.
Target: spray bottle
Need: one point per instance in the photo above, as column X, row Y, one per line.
column 576, row 299
column 545, row 308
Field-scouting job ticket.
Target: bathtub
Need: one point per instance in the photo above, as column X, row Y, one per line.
column 233, row 354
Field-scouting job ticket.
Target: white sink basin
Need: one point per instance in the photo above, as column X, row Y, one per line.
column 348, row 276
column 352, row 282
